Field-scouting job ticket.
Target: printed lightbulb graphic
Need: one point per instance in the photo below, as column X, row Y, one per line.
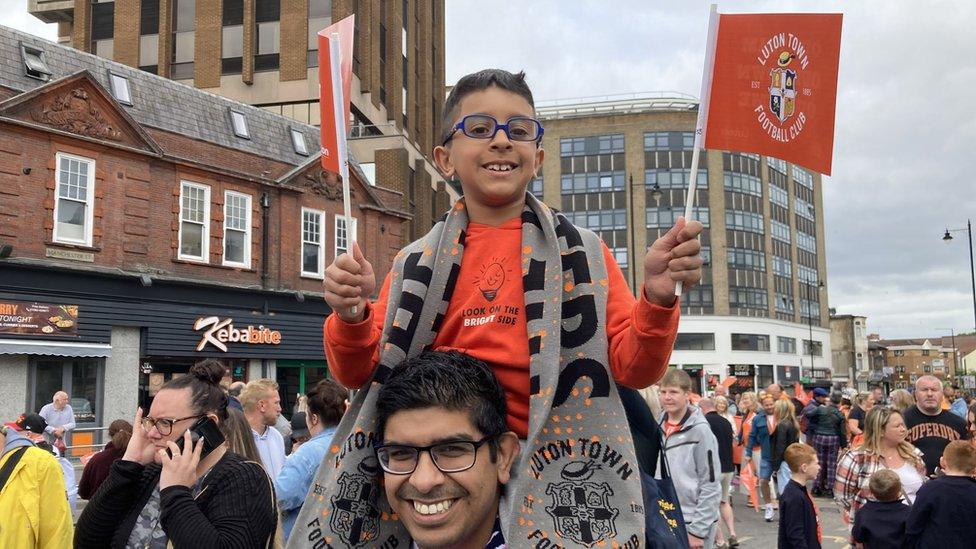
column 491, row 280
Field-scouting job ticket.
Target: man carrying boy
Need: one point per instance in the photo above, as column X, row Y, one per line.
column 942, row 515
column 509, row 281
column 799, row 522
column 880, row 522
column 692, row 450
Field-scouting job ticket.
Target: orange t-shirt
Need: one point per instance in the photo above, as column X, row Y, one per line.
column 486, row 319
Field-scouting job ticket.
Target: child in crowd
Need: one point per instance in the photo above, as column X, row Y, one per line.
column 942, row 515
column 880, row 522
column 799, row 521
column 510, row 281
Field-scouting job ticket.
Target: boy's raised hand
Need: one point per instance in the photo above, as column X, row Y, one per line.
column 673, row 257
column 349, row 282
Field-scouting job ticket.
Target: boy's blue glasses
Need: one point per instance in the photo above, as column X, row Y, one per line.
column 482, row 126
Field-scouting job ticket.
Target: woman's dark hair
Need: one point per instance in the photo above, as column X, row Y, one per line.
column 480, row 81
column 120, row 431
column 450, row 380
column 203, row 380
column 328, row 401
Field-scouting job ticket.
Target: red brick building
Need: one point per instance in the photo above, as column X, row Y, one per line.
column 145, row 207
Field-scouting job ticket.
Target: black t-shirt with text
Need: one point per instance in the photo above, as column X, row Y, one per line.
column 931, row 434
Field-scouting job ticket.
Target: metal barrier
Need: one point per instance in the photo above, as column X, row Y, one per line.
column 92, row 446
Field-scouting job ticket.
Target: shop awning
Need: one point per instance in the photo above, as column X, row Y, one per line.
column 54, row 348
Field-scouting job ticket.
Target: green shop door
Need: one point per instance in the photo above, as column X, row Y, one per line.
column 295, row 378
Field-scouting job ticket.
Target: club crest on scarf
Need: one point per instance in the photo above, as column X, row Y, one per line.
column 354, row 515
column 581, row 510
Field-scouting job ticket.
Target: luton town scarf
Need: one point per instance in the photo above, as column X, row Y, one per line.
column 576, row 481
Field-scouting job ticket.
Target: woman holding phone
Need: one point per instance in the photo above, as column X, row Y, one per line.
column 190, row 494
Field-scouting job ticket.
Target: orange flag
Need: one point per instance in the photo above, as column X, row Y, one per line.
column 333, row 123
column 800, row 394
column 728, row 382
column 773, row 86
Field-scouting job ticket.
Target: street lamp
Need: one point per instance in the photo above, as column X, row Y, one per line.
column 819, row 285
column 947, row 238
column 656, row 196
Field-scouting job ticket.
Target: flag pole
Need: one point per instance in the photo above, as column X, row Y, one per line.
column 339, row 108
column 702, row 122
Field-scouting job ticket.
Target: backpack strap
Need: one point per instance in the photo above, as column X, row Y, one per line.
column 11, row 463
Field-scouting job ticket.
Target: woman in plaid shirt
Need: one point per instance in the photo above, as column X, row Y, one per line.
column 884, row 447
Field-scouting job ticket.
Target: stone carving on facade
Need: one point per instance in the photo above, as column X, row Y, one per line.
column 75, row 112
column 326, row 184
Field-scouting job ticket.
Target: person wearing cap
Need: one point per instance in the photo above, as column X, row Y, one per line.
column 326, row 404
column 299, row 432
column 808, row 419
column 33, row 502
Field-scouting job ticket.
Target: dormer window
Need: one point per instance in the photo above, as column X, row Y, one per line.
column 120, row 88
column 239, row 121
column 298, row 140
column 34, row 63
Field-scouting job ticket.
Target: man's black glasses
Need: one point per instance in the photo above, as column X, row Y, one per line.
column 452, row 456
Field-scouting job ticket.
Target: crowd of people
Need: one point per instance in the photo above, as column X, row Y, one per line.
column 497, row 405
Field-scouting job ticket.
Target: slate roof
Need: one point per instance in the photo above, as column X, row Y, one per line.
column 160, row 102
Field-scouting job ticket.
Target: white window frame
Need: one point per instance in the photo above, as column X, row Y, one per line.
column 89, row 199
column 335, row 234
column 205, row 235
column 246, row 264
column 298, row 142
column 121, row 90
column 238, row 123
column 320, row 275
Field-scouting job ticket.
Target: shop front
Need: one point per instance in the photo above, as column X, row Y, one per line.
column 111, row 342
column 745, row 378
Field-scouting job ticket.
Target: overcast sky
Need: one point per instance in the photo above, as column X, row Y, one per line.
column 903, row 167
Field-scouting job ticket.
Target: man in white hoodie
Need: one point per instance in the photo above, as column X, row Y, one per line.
column 692, row 452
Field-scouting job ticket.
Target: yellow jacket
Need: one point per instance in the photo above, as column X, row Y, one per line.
column 34, row 510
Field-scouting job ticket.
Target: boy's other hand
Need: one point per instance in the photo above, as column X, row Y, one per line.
column 673, row 257
column 349, row 282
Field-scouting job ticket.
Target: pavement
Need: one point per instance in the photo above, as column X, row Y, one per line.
column 753, row 531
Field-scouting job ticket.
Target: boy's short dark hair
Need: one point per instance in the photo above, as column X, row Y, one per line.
column 885, row 485
column 328, row 401
column 960, row 456
column 798, row 454
column 450, row 380
column 480, row 81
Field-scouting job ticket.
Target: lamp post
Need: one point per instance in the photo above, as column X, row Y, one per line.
column 633, row 256
column 947, row 238
column 818, row 285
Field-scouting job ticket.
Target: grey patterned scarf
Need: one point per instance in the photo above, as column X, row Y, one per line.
column 576, row 482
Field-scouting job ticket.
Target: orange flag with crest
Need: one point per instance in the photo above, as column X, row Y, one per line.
column 773, row 88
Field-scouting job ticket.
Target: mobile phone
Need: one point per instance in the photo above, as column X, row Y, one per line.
column 203, row 428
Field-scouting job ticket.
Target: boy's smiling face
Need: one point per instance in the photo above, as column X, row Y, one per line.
column 476, row 162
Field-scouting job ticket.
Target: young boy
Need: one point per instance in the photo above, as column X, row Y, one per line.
column 799, row 522
column 942, row 515
column 692, row 452
column 504, row 278
column 881, row 522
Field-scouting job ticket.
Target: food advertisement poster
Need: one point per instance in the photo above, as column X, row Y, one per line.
column 48, row 319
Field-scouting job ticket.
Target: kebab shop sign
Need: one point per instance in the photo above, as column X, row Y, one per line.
column 218, row 332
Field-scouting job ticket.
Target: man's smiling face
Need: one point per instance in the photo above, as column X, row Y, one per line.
column 446, row 509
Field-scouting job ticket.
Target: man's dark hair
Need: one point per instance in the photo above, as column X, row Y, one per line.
column 328, row 401
column 480, row 81
column 450, row 380
column 836, row 397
